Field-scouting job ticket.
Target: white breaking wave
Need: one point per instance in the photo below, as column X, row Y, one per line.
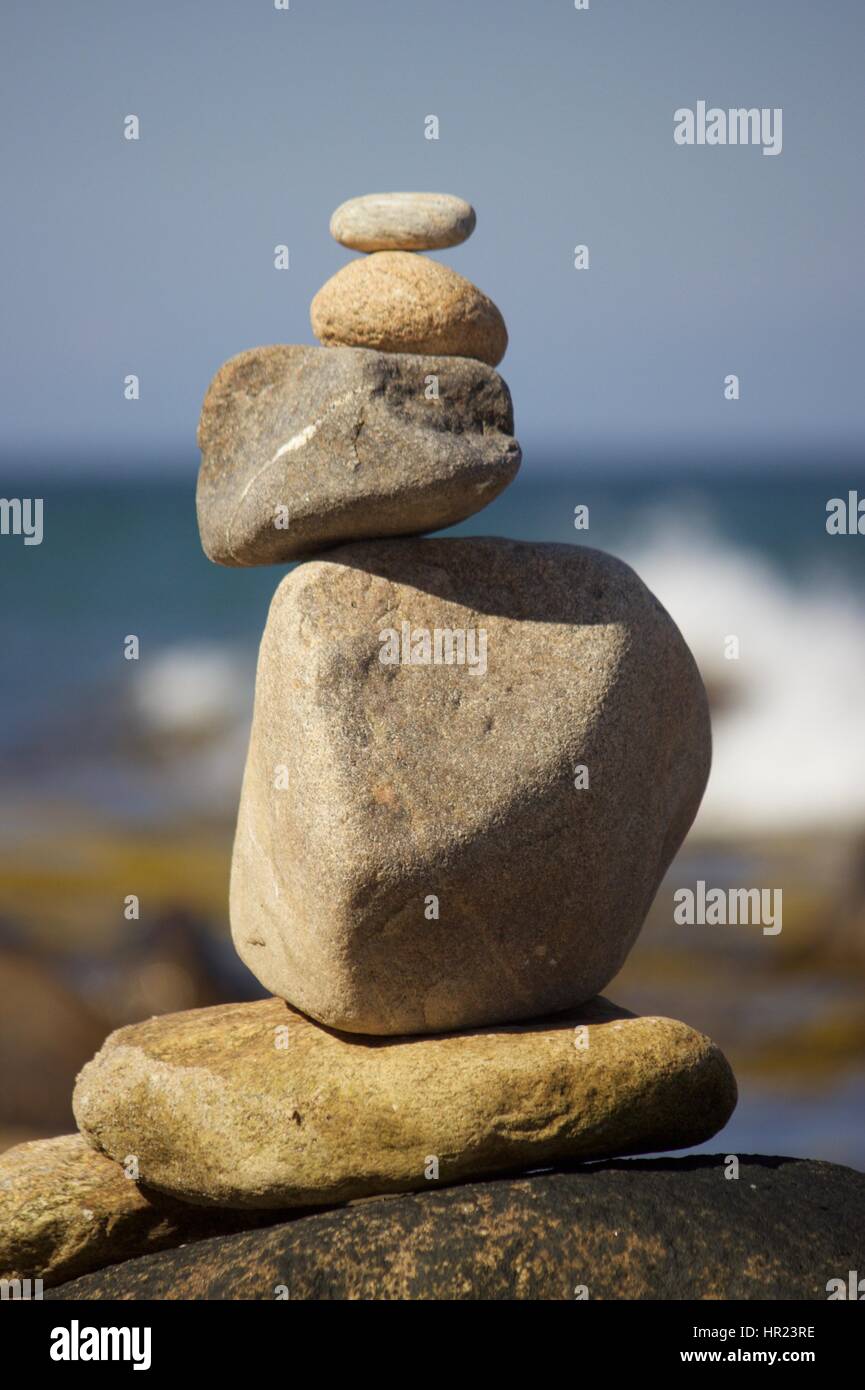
column 195, row 702
column 788, row 716
column 789, row 726
column 193, row 688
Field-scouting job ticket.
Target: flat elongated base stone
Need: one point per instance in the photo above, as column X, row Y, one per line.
column 651, row 1229
column 256, row 1105
column 66, row 1209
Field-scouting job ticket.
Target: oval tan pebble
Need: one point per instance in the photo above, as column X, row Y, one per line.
column 403, row 222
column 396, row 301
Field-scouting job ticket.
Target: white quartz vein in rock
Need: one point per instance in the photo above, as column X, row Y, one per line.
column 297, row 441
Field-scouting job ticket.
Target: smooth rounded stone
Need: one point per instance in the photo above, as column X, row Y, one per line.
column 403, row 222
column 398, row 301
column 66, row 1210
column 669, row 1229
column 412, row 851
column 306, row 447
column 256, row 1105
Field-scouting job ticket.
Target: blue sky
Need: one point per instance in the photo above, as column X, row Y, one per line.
column 156, row 257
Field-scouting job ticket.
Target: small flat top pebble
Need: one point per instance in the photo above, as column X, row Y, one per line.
column 402, row 222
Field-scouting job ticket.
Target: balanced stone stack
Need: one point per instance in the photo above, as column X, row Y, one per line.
column 471, row 763
column 413, row 859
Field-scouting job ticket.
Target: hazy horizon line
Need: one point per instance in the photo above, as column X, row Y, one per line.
column 552, row 460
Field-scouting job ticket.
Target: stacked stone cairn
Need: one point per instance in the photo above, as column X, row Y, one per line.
column 471, row 763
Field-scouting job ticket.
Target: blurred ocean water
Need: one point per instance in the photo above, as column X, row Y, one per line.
column 726, row 552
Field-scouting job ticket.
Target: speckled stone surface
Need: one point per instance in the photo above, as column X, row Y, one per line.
column 376, row 795
column 255, row 1105
column 398, row 301
column 649, row 1229
column 403, row 222
column 305, row 447
column 66, row 1209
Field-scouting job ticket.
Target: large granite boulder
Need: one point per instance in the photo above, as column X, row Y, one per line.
column 471, row 763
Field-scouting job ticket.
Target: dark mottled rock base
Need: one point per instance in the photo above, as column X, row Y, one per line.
column 631, row 1229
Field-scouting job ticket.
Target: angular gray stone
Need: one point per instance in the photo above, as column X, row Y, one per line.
column 403, row 222
column 652, row 1229
column 345, row 444
column 412, row 854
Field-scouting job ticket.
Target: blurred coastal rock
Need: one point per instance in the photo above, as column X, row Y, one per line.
column 399, row 301
column 434, row 835
column 653, row 1229
column 46, row 1034
column 403, row 222
column 67, row 1210
column 254, row 1105
column 303, row 448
